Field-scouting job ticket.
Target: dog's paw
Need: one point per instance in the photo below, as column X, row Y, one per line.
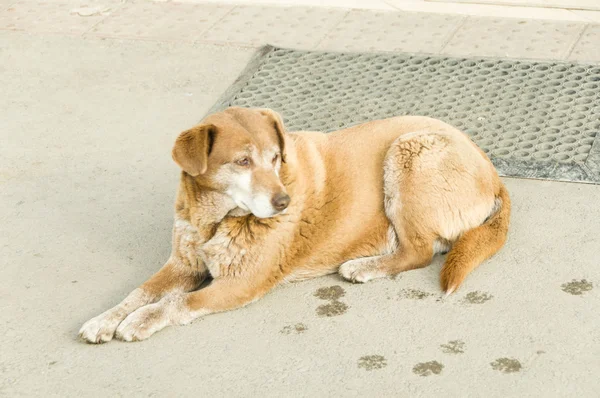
column 359, row 270
column 143, row 323
column 100, row 329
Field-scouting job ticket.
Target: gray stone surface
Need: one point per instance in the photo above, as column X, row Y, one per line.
column 86, row 200
column 311, row 28
column 391, row 31
column 46, row 17
column 297, row 27
column 588, row 47
column 161, row 21
column 515, row 38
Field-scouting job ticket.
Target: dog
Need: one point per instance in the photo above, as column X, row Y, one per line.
column 258, row 206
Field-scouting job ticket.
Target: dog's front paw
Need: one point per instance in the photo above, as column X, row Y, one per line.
column 100, row 329
column 143, row 323
column 360, row 270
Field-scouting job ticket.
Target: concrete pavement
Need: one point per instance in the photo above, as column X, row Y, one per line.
column 86, row 193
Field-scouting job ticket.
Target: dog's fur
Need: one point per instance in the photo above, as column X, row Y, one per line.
column 369, row 201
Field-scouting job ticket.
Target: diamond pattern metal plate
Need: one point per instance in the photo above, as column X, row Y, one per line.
column 534, row 119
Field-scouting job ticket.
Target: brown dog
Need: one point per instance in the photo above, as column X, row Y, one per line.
column 257, row 206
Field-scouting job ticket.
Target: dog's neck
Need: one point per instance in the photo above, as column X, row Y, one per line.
column 203, row 208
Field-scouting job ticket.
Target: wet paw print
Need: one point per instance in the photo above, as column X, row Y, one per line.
column 506, row 365
column 453, row 347
column 413, row 294
column 425, row 369
column 577, row 288
column 372, row 362
column 335, row 307
column 477, row 297
column 297, row 328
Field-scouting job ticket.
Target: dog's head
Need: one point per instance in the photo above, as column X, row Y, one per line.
column 238, row 152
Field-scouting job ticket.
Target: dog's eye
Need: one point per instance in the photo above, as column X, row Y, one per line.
column 245, row 161
column 275, row 158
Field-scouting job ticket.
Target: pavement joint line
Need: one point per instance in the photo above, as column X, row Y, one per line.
column 576, row 41
column 137, row 38
column 332, row 29
column 395, row 7
column 141, row 39
column 117, row 8
column 233, row 7
column 451, row 36
column 229, row 43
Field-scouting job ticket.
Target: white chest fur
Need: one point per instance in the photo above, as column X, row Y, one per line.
column 221, row 255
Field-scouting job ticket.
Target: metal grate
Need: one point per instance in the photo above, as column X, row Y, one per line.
column 534, row 119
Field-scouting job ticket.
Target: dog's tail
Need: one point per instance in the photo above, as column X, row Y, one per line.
column 477, row 244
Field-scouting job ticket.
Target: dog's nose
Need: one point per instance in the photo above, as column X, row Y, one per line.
column 280, row 201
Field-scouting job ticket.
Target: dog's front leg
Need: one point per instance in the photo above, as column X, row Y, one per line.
column 172, row 277
column 183, row 272
column 180, row 309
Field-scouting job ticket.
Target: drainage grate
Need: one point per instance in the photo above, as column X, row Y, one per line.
column 534, row 119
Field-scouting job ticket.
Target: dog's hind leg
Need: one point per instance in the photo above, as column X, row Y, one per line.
column 411, row 170
column 410, row 255
column 439, row 189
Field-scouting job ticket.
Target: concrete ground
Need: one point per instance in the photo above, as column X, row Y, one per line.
column 90, row 108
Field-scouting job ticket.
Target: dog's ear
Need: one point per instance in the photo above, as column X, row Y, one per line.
column 192, row 148
column 277, row 121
